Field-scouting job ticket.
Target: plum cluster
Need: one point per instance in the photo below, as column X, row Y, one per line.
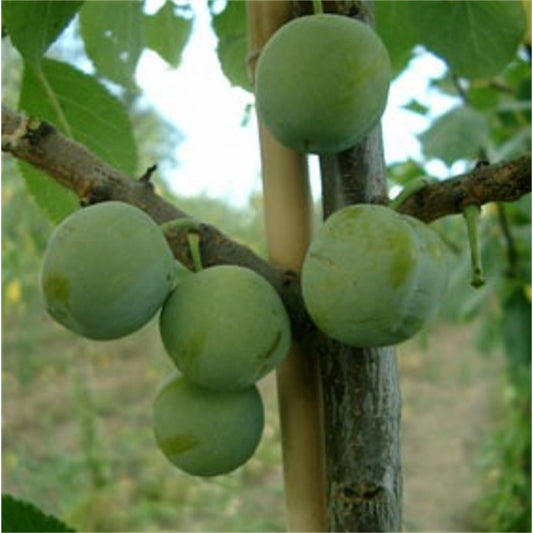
column 224, row 327
column 108, row 270
column 371, row 277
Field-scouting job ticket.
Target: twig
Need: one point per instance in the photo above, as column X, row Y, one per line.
column 501, row 182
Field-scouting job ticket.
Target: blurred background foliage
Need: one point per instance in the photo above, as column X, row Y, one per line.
column 77, row 437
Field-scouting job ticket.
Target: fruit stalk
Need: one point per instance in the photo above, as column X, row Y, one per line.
column 288, row 218
column 317, row 7
column 193, row 239
column 409, row 190
column 178, row 224
column 471, row 214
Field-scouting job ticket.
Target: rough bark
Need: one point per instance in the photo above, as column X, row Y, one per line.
column 506, row 182
column 361, row 392
column 362, row 403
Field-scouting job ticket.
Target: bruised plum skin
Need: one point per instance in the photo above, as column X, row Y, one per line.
column 373, row 277
column 225, row 327
column 107, row 270
column 207, row 433
column 322, row 82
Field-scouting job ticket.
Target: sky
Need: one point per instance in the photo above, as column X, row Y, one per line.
column 199, row 100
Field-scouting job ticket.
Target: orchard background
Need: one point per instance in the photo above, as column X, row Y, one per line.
column 76, row 414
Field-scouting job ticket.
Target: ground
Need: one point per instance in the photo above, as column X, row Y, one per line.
column 451, row 395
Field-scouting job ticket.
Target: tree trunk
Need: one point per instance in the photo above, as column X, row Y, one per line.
column 361, row 392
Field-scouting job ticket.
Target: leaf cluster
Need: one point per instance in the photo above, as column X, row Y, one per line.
column 92, row 108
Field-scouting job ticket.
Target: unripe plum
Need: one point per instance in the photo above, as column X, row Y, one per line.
column 225, row 327
column 207, row 433
column 107, row 270
column 322, row 82
column 373, row 277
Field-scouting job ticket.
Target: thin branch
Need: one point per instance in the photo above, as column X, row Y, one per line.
column 92, row 180
column 501, row 182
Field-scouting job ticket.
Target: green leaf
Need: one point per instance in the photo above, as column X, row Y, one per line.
column 231, row 29
column 19, row 515
column 446, row 84
column 458, row 134
column 476, row 39
column 34, row 25
column 167, row 32
column 112, row 35
column 394, row 25
column 405, row 171
column 517, row 328
column 80, row 107
column 416, row 107
column 55, row 201
column 482, row 95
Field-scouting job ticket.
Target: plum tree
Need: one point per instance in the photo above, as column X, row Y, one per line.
column 339, row 405
column 373, row 277
column 322, row 82
column 207, row 433
column 106, row 271
column 225, row 327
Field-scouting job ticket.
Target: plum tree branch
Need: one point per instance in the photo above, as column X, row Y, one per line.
column 76, row 168
column 92, row 180
column 501, row 182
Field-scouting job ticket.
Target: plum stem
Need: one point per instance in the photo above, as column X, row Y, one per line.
column 193, row 238
column 471, row 214
column 317, row 7
column 180, row 223
column 409, row 189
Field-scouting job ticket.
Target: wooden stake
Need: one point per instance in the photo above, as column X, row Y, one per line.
column 288, row 216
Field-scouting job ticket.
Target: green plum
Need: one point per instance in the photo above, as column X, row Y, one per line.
column 373, row 277
column 225, row 327
column 322, row 82
column 207, row 433
column 107, row 270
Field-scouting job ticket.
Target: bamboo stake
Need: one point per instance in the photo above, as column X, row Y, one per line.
column 288, row 217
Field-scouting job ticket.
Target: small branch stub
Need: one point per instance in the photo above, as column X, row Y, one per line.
column 411, row 188
column 146, row 177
